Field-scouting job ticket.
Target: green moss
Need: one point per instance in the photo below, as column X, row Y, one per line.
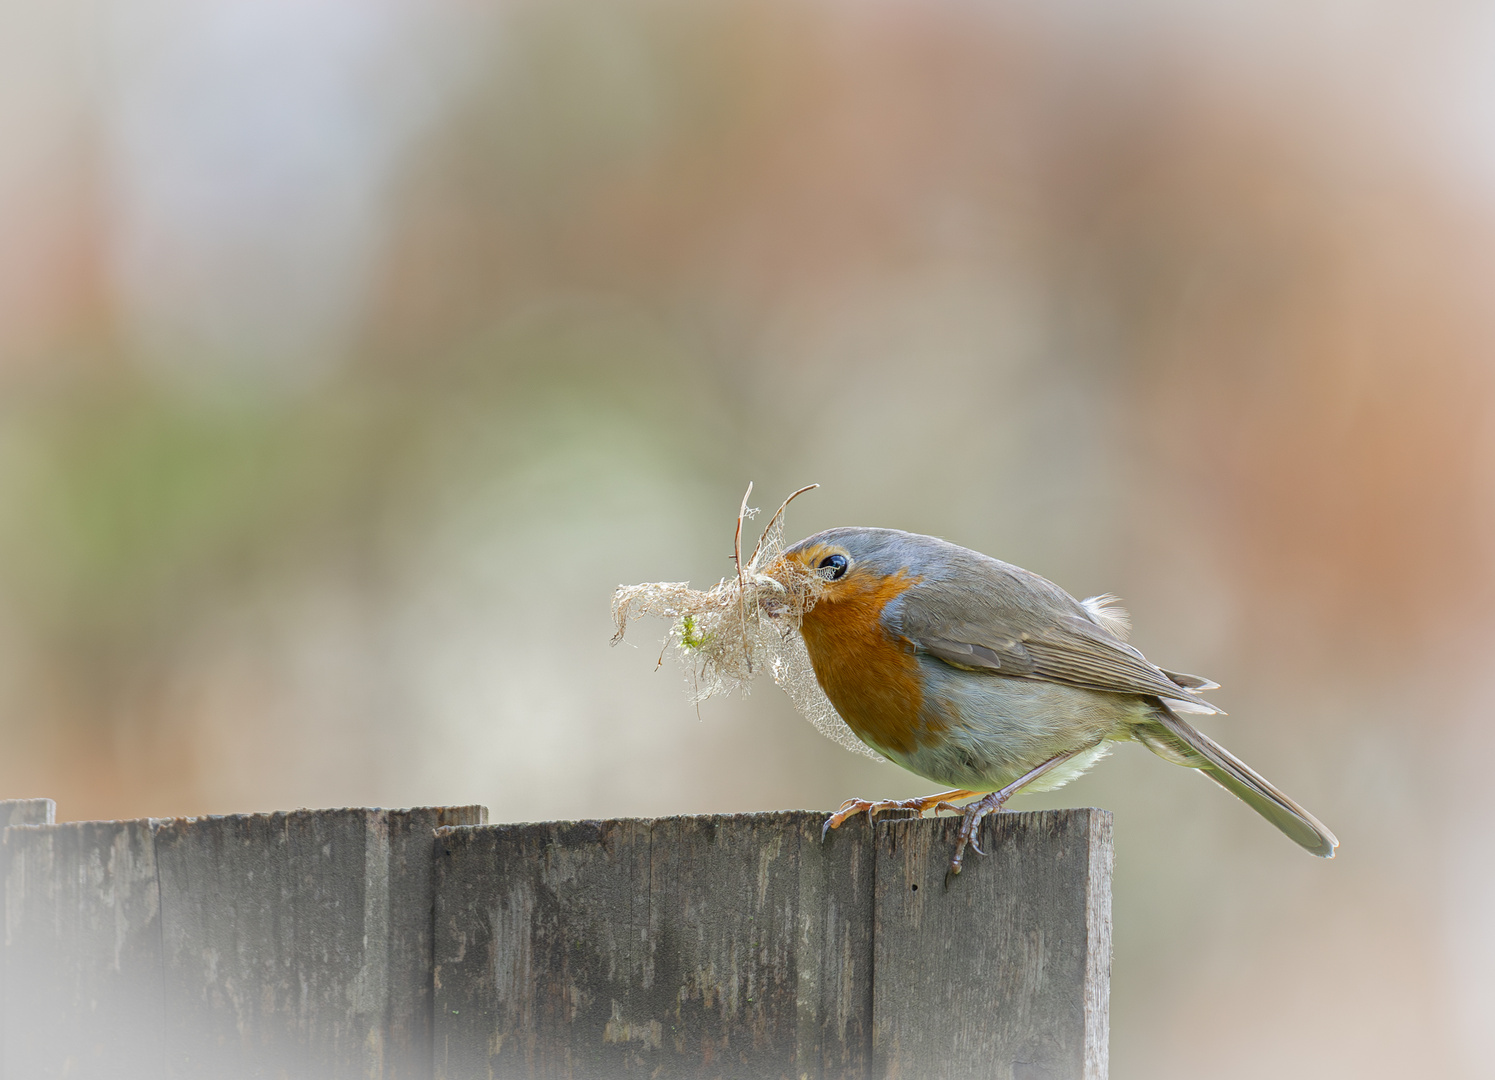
column 690, row 636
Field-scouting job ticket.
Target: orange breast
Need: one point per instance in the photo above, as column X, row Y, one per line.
column 871, row 678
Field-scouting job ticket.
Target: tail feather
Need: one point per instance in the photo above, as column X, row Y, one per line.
column 1191, row 682
column 1246, row 784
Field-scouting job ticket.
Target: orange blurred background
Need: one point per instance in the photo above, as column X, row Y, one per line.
column 352, row 353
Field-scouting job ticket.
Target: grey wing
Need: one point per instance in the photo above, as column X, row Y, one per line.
column 1003, row 619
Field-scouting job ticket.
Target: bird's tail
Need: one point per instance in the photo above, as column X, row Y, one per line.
column 1190, row 746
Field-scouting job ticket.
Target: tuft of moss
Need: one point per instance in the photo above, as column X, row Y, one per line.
column 691, row 636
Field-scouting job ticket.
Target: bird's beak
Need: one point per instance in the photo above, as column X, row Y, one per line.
column 772, row 596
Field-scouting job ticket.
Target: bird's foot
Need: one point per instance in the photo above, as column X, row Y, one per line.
column 936, row 802
column 970, row 824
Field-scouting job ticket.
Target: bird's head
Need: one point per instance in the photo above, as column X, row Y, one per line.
column 854, row 561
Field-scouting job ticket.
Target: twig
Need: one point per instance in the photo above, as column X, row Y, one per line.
column 741, row 582
column 773, row 520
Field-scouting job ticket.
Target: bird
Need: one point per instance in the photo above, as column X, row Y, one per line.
column 989, row 679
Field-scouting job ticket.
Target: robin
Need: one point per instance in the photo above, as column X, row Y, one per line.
column 980, row 675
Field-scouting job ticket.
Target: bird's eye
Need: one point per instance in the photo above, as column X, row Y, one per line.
column 833, row 567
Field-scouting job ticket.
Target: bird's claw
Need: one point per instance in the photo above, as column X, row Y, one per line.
column 848, row 809
column 919, row 807
column 969, row 826
column 852, row 807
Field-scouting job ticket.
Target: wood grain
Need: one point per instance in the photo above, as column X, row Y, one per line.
column 27, row 812
column 1005, row 974
column 82, row 951
column 297, row 944
column 734, row 946
column 15, row 812
column 412, row 884
column 409, row 944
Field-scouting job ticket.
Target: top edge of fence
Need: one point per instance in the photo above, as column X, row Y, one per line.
column 46, row 809
column 190, row 819
column 746, row 816
column 788, row 816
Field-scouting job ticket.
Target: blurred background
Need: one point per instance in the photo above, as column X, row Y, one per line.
column 352, row 352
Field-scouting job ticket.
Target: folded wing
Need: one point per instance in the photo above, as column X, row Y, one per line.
column 992, row 616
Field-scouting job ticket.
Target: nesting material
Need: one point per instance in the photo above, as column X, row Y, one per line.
column 744, row 626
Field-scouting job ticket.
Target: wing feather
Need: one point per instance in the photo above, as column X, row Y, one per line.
column 989, row 615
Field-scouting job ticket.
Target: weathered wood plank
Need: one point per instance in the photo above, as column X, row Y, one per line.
column 16, row 812
column 274, row 929
column 759, row 906
column 318, row 944
column 1004, row 975
column 715, row 946
column 412, row 886
column 81, row 951
column 27, row 812
column 298, row 944
column 535, row 926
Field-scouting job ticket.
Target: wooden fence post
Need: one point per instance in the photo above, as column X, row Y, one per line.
column 745, row 947
column 286, row 935
column 1006, row 974
column 275, row 938
column 15, row 812
column 278, row 945
column 391, row 945
column 412, row 885
column 710, row 946
column 82, row 951
column 26, row 812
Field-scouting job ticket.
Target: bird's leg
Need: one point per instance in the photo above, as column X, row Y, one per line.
column 992, row 803
column 940, row 800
